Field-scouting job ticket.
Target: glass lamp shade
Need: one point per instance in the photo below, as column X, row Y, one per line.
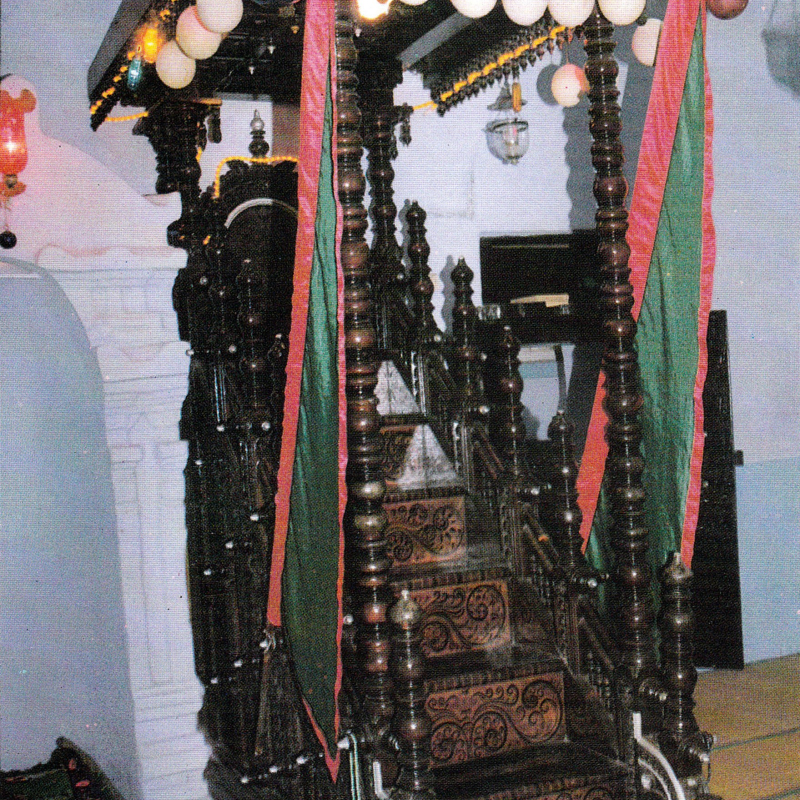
column 193, row 37
column 508, row 139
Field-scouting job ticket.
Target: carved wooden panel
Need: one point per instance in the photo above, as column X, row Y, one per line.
column 426, row 530
column 462, row 617
column 583, row 793
column 396, row 440
column 501, row 717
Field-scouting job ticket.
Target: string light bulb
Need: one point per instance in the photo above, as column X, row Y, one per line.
column 644, row 42
column 622, row 12
column 151, row 43
column 570, row 13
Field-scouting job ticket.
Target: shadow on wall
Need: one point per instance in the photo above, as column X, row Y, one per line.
column 781, row 37
column 64, row 670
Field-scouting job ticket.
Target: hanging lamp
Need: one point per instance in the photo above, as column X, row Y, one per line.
column 507, row 136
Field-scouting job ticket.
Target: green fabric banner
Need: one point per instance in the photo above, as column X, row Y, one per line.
column 311, row 576
column 667, row 335
column 667, row 340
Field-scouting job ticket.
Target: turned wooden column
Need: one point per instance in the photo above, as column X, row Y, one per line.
column 681, row 740
column 629, row 535
column 465, row 366
column 466, row 358
column 365, row 519
column 377, row 79
column 565, row 513
column 411, row 724
column 508, row 425
column 420, row 276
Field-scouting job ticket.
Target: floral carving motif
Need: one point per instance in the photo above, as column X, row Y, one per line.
column 463, row 617
column 426, row 530
column 487, row 720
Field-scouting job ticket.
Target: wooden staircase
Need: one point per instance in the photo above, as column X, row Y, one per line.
column 496, row 684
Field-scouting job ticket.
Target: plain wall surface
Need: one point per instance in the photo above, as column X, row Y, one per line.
column 64, row 670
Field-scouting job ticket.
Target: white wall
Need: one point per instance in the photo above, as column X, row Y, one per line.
column 757, row 217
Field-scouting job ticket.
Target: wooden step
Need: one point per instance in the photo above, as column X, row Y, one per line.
column 491, row 704
column 468, row 611
column 426, row 528
column 557, row 771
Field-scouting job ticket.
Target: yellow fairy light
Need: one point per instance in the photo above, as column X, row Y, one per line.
column 151, row 43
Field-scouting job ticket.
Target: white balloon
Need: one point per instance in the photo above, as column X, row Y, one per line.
column 570, row 13
column 174, row 67
column 621, row 12
column 645, row 41
column 193, row 37
column 524, row 12
column 372, row 9
column 220, row 16
column 413, row 2
column 569, row 83
column 474, row 8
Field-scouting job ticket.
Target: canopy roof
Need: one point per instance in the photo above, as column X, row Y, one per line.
column 262, row 56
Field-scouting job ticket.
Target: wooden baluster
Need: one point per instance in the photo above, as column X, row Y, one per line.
column 508, row 425
column 376, row 82
column 411, row 723
column 681, row 740
column 465, row 365
column 365, row 521
column 427, row 332
column 564, row 513
column 629, row 535
column 466, row 358
column 508, row 428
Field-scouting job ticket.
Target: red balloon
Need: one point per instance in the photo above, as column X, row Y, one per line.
column 726, row 9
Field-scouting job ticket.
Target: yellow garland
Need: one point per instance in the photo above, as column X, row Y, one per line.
column 140, row 115
column 493, row 65
column 247, row 160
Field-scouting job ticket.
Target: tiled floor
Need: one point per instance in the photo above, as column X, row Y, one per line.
column 755, row 715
